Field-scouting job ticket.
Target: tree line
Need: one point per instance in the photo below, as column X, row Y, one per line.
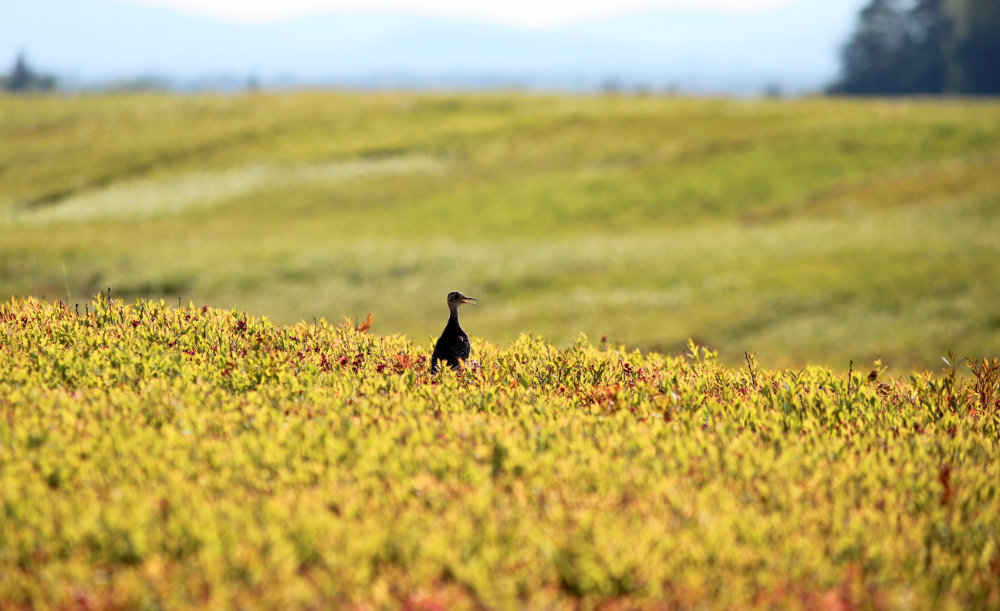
column 902, row 47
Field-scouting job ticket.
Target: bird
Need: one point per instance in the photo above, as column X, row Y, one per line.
column 453, row 345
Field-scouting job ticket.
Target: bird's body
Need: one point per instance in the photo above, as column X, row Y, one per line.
column 453, row 346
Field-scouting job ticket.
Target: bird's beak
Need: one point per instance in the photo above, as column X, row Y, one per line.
column 469, row 300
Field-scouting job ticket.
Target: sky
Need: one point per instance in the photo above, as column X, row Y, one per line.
column 523, row 13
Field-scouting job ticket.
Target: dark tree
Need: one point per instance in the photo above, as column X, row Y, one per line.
column 928, row 30
column 975, row 50
column 923, row 47
column 897, row 48
column 871, row 59
column 23, row 78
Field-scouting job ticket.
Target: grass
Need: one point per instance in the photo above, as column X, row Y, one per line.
column 805, row 231
column 154, row 456
column 247, row 453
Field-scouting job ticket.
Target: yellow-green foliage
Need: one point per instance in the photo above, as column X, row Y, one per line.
column 161, row 457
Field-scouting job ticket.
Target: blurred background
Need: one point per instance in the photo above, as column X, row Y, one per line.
column 813, row 181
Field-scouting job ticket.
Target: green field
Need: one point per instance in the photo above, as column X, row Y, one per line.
column 156, row 457
column 699, row 374
column 805, row 231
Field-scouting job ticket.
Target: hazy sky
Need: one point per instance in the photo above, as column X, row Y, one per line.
column 531, row 13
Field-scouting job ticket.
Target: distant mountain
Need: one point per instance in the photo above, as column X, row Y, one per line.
column 99, row 41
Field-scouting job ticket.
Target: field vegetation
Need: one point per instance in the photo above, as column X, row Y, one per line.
column 807, row 231
column 706, row 370
column 154, row 456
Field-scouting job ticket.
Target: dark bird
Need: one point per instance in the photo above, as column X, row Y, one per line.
column 453, row 345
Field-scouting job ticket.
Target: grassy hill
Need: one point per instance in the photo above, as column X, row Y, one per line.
column 808, row 231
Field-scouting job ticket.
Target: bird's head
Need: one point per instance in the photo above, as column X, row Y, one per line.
column 456, row 298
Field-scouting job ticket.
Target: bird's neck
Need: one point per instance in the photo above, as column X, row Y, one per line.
column 453, row 317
